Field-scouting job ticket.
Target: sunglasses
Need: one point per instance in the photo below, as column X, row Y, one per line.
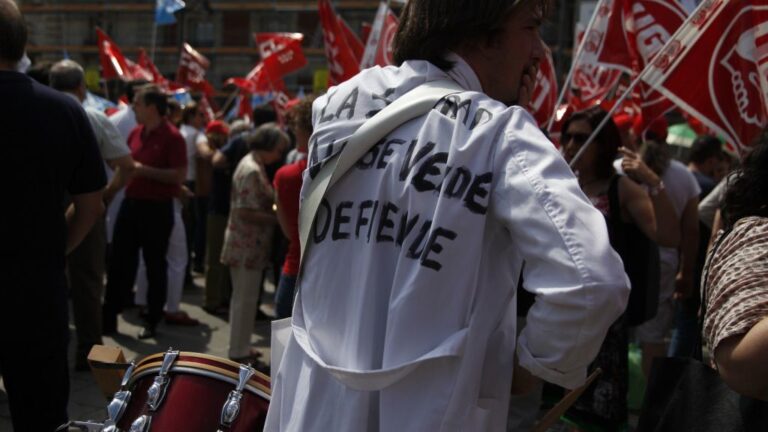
column 578, row 138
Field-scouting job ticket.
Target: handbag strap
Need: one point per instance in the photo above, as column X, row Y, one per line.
column 413, row 104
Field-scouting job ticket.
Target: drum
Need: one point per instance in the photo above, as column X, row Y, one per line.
column 186, row 391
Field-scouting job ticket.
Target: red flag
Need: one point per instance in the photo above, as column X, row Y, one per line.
column 544, row 95
column 716, row 68
column 113, row 62
column 258, row 80
column 649, row 25
column 280, row 104
column 191, row 71
column 281, row 52
column 136, row 71
column 365, row 32
column 378, row 48
column 341, row 59
column 146, row 63
column 591, row 83
column 354, row 42
column 606, row 43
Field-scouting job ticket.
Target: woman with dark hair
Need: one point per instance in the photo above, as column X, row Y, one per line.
column 735, row 287
column 604, row 404
column 596, row 172
column 248, row 236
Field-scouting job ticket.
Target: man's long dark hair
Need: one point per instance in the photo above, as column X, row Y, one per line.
column 747, row 193
column 429, row 29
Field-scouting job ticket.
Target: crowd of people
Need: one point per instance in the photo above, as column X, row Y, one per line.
column 451, row 273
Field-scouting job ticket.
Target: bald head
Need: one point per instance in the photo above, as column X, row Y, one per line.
column 13, row 34
column 67, row 76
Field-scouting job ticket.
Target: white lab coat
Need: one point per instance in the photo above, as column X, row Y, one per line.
column 407, row 325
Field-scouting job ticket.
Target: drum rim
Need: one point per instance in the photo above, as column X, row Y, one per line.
column 152, row 363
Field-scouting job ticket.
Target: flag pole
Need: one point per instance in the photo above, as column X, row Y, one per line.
column 576, row 60
column 635, row 83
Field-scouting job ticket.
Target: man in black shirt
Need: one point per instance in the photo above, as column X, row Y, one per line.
column 51, row 153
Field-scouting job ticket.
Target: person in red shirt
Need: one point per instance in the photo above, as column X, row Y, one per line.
column 145, row 218
column 287, row 184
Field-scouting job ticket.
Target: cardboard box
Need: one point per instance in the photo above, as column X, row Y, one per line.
column 105, row 362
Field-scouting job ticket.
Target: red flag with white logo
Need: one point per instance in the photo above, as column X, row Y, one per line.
column 136, row 71
column 281, row 53
column 544, row 96
column 649, row 25
column 716, row 68
column 280, row 104
column 601, row 66
column 113, row 62
column 378, row 48
column 341, row 59
column 605, row 43
column 191, row 71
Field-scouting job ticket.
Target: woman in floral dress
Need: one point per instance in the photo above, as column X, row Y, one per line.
column 247, row 238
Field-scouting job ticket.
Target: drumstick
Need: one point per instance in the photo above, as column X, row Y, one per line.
column 558, row 410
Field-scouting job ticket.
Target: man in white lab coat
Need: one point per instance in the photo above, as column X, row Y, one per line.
column 406, row 309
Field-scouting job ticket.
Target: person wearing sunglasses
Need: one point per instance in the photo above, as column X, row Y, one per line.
column 604, row 405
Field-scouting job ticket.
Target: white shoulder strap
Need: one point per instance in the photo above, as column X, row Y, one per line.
column 407, row 107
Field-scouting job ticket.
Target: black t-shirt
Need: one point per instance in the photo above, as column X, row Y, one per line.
column 221, row 180
column 49, row 152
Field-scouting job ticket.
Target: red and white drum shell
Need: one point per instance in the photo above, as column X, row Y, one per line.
column 197, row 390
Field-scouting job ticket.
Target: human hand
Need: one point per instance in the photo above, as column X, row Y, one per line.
column 527, row 84
column 634, row 167
column 523, row 382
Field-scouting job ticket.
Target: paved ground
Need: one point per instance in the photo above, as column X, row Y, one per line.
column 210, row 337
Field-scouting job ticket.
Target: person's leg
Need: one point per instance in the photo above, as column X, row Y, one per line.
column 242, row 310
column 189, row 217
column 140, row 295
column 284, row 296
column 85, row 267
column 122, row 264
column 201, row 216
column 652, row 334
column 177, row 261
column 684, row 334
column 155, row 236
column 216, row 274
column 36, row 379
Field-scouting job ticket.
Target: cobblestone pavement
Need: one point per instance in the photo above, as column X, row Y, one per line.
column 210, row 337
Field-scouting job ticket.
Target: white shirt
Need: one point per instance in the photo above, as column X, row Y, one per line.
column 124, row 120
column 406, row 314
column 111, row 143
column 191, row 137
column 681, row 187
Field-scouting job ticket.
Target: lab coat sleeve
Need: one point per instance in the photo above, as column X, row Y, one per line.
column 578, row 279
